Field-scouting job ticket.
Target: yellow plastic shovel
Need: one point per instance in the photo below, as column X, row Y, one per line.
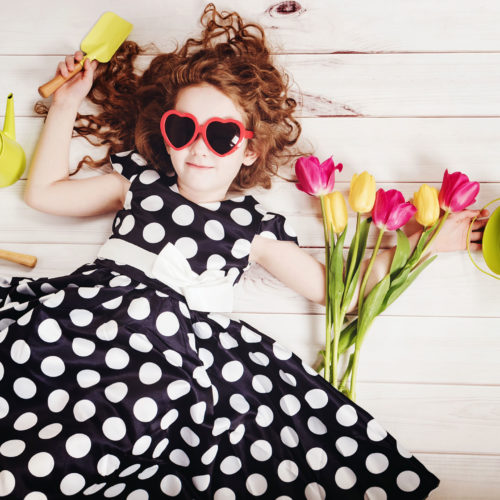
column 102, row 41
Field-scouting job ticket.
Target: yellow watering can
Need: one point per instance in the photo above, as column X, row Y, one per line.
column 12, row 157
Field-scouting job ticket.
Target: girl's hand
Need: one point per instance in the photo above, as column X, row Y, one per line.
column 79, row 86
column 453, row 234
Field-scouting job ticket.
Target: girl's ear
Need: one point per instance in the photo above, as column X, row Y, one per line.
column 249, row 157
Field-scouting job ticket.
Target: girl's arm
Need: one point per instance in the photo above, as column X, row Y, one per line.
column 49, row 187
column 306, row 275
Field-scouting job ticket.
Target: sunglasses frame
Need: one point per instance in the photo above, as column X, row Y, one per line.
column 202, row 129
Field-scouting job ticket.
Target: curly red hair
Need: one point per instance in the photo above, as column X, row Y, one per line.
column 231, row 55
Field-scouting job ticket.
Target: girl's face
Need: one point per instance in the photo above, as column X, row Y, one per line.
column 202, row 176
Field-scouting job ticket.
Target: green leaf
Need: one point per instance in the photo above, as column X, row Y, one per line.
column 402, row 252
column 352, row 288
column 371, row 306
column 363, row 237
column 424, row 238
column 348, row 336
column 337, row 273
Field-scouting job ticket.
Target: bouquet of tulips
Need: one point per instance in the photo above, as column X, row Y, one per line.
column 388, row 211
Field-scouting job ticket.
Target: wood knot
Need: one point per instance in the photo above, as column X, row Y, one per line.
column 286, row 8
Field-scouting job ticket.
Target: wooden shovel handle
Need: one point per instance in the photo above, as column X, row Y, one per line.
column 18, row 258
column 49, row 88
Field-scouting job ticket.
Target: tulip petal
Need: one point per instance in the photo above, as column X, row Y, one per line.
column 380, row 208
column 308, row 175
column 400, row 215
column 464, row 196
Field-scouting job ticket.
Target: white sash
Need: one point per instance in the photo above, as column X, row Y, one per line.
column 210, row 291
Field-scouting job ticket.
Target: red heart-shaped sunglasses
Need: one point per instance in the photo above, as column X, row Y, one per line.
column 221, row 136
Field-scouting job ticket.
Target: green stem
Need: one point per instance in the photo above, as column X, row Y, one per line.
column 354, row 257
column 346, row 374
column 326, row 373
column 368, row 271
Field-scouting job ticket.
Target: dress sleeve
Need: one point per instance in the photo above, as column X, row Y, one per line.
column 277, row 227
column 128, row 163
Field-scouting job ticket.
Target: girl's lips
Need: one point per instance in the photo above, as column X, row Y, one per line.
column 197, row 166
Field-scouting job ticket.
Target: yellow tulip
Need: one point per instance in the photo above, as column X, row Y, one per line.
column 336, row 212
column 362, row 192
column 426, row 201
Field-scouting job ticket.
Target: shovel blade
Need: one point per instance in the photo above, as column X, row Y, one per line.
column 103, row 40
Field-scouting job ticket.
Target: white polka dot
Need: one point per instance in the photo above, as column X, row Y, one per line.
column 241, row 216
column 264, row 416
column 230, row 465
column 375, row 493
column 377, row 463
column 183, row 215
column 83, row 410
column 87, row 378
column 149, row 472
column 72, row 484
column 80, row 317
column 237, row 435
column 153, row 232
column 88, row 292
column 289, row 437
column 25, row 318
column 290, row 404
column 167, row 323
column 116, row 392
column 408, row 481
column 403, row 451
column 184, row 310
column 120, row 280
column 145, row 409
column 261, row 450
column 113, row 303
column 7, row 483
column 239, row 403
column 178, row 388
column 209, row 456
column 108, row 330
column 142, row 445
column 346, row 415
column 107, row 465
column 24, row 388
column 316, row 426
column 49, row 330
column 309, row 369
column 82, row 347
column 53, row 300
column 25, row 421
column 127, row 204
column 52, row 366
column 288, row 378
column 12, row 448
column 232, row 371
column 35, row 495
column 115, row 490
column 173, row 357
column 345, row 478
column 202, row 330
column 227, row 341
column 41, row 464
column 160, row 448
column 20, row 351
column 214, row 230
column 259, row 358
column 346, row 446
column 288, row 471
column 114, row 428
column 262, row 384
column 179, row 457
column 139, row 308
column 187, row 246
column 197, row 412
column 117, row 358
column 57, row 400
column 221, row 425
column 78, row 445
column 316, row 398
column 129, row 470
column 149, row 176
column 289, row 229
column 171, row 485
column 281, row 352
column 201, row 483
column 140, row 342
column 169, row 418
column 190, row 436
column 152, row 203
column 314, row 491
column 268, row 235
column 224, row 494
column 216, row 261
column 149, row 373
column 316, row 458
column 250, row 336
column 50, row 431
column 241, row 248
column 256, row 484
column 375, row 431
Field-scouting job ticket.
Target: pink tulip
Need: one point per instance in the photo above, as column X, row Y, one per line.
column 457, row 192
column 390, row 210
column 314, row 178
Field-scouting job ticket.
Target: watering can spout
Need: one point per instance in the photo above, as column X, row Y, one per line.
column 9, row 127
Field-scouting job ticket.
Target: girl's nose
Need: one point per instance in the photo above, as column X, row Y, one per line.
column 199, row 146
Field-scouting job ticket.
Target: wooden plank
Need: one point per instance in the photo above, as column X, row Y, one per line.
column 307, row 26
column 400, row 85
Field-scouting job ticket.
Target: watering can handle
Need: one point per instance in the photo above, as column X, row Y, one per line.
column 49, row 88
column 18, row 258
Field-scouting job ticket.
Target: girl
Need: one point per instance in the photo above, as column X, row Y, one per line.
column 125, row 379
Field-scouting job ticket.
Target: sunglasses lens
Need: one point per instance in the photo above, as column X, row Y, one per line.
column 223, row 137
column 179, row 130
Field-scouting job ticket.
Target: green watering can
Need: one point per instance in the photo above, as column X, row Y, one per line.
column 12, row 157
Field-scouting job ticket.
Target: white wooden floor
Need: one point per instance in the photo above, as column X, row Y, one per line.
column 401, row 89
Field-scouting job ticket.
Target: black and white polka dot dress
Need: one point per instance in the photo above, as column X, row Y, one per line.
column 113, row 386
